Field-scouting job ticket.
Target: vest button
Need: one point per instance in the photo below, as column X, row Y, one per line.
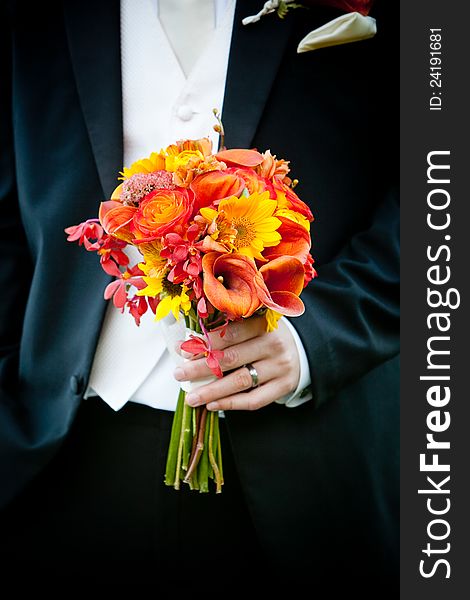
column 184, row 112
column 76, row 384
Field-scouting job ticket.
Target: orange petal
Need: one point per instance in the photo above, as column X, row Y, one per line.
column 229, row 284
column 287, row 304
column 116, row 218
column 284, row 274
column 283, row 302
column 253, row 181
column 295, row 241
column 240, row 157
column 214, row 186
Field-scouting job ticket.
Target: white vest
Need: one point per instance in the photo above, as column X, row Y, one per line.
column 160, row 105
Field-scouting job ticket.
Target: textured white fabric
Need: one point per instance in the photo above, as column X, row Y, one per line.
column 177, row 18
column 160, row 105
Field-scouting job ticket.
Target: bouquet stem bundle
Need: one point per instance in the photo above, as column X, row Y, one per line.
column 194, row 454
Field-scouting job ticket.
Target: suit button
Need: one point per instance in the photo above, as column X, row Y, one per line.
column 76, row 384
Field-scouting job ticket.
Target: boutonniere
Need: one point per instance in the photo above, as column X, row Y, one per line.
column 355, row 25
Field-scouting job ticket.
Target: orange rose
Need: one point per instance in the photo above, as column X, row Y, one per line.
column 162, row 212
column 254, row 182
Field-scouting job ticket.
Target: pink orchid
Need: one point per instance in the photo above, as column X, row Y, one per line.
column 196, row 345
column 84, row 232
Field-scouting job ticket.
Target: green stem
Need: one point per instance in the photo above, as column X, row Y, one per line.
column 203, row 468
column 219, row 454
column 180, row 446
column 174, row 441
column 218, row 481
column 196, row 422
column 187, row 435
column 198, row 446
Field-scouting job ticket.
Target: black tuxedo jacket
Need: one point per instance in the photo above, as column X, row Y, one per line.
column 321, row 480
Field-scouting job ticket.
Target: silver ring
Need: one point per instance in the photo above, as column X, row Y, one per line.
column 254, row 375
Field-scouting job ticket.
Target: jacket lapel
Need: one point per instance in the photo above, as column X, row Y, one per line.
column 93, row 32
column 255, row 55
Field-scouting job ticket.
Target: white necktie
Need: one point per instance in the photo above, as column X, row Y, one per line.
column 188, row 25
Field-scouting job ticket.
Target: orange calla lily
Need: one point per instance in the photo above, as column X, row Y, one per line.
column 115, row 218
column 214, row 186
column 229, row 283
column 279, row 284
column 236, row 157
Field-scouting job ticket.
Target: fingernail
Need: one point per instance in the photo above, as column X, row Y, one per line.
column 178, row 374
column 212, row 406
column 193, row 399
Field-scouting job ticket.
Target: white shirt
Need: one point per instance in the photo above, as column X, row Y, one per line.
column 161, row 105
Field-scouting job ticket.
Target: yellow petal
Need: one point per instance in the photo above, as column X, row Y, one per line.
column 163, row 308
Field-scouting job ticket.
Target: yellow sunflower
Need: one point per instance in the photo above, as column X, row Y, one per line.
column 174, row 303
column 155, row 162
column 250, row 221
column 173, row 298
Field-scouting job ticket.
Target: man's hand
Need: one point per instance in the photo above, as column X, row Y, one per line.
column 274, row 356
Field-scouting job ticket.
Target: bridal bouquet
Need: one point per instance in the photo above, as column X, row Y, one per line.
column 221, row 237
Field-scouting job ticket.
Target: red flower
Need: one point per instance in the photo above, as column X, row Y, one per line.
column 184, row 257
column 137, row 307
column 117, row 289
column 310, row 272
column 84, row 233
column 196, row 345
column 360, row 6
column 112, row 255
